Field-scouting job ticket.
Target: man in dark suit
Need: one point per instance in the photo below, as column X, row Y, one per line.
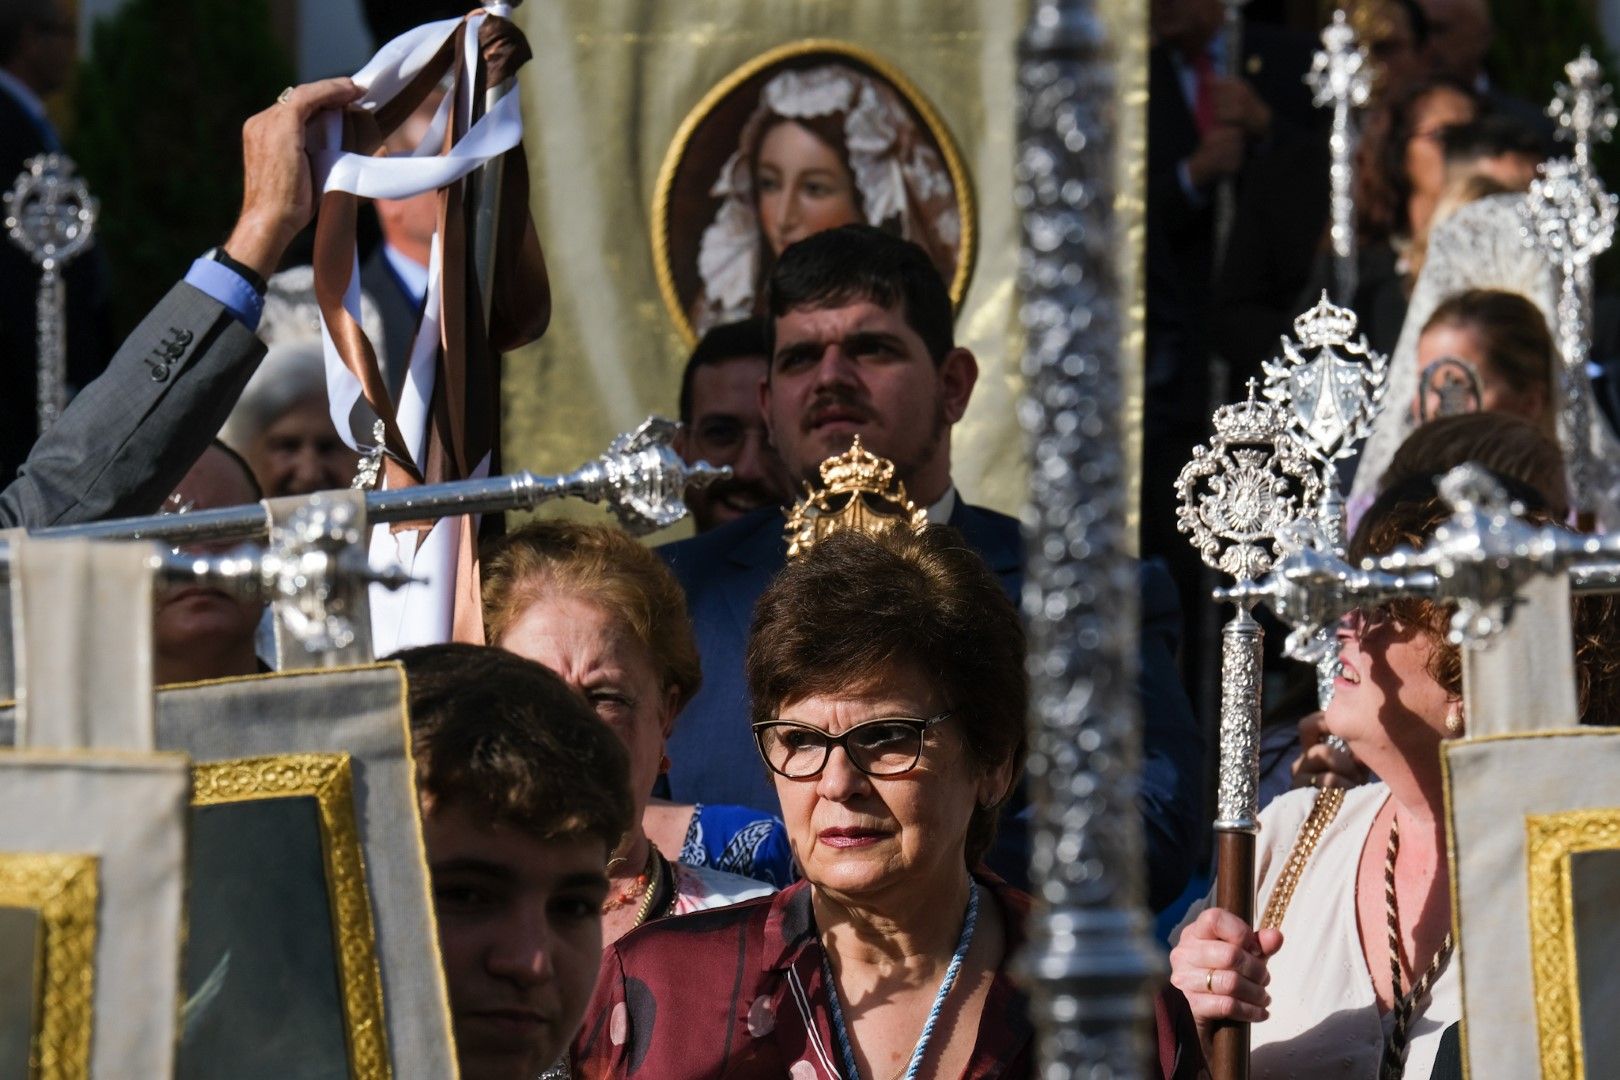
column 863, row 346
column 395, row 275
column 127, row 439
column 1204, row 130
column 36, row 55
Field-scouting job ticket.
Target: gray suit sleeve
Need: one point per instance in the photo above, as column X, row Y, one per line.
column 129, row 437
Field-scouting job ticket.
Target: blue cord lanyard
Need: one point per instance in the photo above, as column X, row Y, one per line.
column 847, row 1050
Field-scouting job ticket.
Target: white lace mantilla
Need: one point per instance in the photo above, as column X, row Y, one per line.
column 1481, row 246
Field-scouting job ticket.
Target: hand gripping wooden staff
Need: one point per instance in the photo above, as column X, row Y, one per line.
column 1236, row 493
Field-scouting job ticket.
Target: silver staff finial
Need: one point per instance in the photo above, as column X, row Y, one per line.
column 1584, row 107
column 641, row 478
column 1250, row 481
column 1341, row 79
column 1570, row 219
column 51, row 216
column 1328, row 382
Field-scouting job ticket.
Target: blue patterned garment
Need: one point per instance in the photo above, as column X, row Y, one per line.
column 740, row 840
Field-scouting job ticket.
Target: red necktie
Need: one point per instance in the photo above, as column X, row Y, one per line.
column 1204, row 94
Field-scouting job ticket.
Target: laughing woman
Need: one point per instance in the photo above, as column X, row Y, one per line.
column 888, row 688
column 1351, row 973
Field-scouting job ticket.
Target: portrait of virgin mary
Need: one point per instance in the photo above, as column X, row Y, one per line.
column 807, row 137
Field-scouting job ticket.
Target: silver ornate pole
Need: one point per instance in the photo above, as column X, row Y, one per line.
column 1236, row 493
column 51, row 216
column 303, row 571
column 1341, row 79
column 1090, row 960
column 1570, row 218
column 1328, row 383
column 641, row 479
column 1584, row 108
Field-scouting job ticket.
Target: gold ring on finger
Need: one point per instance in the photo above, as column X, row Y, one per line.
column 1209, row 981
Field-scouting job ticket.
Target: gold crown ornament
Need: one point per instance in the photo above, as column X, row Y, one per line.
column 858, row 491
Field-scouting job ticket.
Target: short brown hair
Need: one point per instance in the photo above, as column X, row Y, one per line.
column 1409, row 513
column 605, row 566
column 1518, row 346
column 856, row 606
column 1507, row 445
column 507, row 739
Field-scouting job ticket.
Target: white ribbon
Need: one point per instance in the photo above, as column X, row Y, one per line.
column 417, row 614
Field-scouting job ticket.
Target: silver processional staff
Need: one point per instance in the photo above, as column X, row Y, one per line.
column 1236, row 494
column 1341, row 79
column 1328, row 384
column 51, row 216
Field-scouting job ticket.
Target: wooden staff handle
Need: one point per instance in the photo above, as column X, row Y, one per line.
column 1234, row 891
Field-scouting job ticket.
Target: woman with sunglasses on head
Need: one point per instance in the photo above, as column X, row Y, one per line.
column 1351, row 972
column 889, row 696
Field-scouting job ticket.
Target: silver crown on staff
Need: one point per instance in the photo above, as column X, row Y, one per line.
column 1237, row 492
column 1328, row 382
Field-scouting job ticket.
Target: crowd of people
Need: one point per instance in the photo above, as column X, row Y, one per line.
column 704, row 810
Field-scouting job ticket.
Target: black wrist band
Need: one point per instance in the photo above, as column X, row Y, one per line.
column 247, row 273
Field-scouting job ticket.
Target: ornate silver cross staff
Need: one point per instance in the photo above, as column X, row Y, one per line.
column 1328, row 385
column 1584, row 108
column 1570, row 218
column 52, row 217
column 1236, row 493
column 1341, row 79
column 1090, row 959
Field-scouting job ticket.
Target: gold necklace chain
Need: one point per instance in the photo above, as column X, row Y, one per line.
column 655, row 874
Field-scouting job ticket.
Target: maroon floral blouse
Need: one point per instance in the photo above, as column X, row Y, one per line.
column 736, row 993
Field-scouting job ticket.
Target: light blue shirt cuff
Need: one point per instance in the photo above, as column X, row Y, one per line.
column 228, row 287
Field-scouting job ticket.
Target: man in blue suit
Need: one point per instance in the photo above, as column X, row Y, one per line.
column 863, row 346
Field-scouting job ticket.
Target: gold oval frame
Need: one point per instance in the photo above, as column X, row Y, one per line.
column 967, row 206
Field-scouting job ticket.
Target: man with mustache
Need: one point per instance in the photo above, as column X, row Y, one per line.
column 203, row 633
column 721, row 424
column 863, row 345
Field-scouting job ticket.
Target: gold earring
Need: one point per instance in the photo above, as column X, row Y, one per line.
column 1454, row 721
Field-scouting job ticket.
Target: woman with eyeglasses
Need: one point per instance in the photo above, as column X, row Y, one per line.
column 889, row 696
column 1350, row 973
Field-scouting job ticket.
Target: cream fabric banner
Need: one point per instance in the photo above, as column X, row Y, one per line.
column 610, row 86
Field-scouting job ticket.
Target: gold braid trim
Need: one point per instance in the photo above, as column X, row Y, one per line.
column 1325, row 809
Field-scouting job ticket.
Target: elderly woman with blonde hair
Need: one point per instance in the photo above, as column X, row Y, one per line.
column 603, row 612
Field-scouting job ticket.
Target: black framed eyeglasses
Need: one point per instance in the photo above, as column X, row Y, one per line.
column 886, row 746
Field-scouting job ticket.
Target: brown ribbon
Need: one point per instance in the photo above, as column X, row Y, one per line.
column 464, row 411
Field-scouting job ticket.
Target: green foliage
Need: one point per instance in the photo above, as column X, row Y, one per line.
column 161, row 101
